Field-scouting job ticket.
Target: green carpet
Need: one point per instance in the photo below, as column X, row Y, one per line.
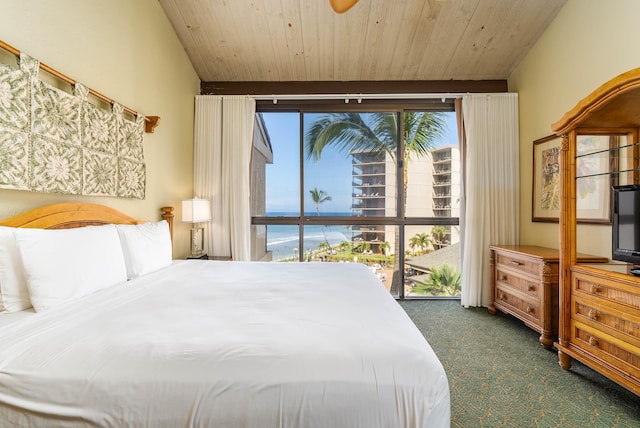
column 500, row 376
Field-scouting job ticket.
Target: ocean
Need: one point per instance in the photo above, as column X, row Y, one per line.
column 283, row 239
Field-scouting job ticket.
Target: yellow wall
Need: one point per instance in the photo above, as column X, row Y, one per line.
column 589, row 42
column 128, row 51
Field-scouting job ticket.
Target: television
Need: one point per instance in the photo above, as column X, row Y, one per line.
column 626, row 224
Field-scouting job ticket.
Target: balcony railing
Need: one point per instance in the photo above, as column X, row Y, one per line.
column 438, row 160
column 369, row 174
column 354, row 162
column 367, row 229
column 374, row 195
column 359, row 185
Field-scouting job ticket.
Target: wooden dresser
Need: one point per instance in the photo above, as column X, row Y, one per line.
column 524, row 283
column 605, row 323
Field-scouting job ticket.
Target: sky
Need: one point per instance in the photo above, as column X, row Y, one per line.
column 331, row 173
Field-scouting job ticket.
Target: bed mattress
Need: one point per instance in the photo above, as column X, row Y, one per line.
column 225, row 344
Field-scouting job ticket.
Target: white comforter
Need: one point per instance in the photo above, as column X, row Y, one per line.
column 225, row 344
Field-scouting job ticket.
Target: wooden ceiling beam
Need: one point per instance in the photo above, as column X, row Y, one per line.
column 354, row 87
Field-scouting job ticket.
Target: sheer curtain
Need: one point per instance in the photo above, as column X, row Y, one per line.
column 223, row 134
column 491, row 189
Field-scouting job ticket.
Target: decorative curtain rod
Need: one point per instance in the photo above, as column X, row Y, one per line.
column 357, row 97
column 150, row 121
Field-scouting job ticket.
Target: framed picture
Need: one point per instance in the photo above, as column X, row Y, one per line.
column 593, row 181
column 546, row 179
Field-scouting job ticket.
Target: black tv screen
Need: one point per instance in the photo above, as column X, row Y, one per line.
column 626, row 223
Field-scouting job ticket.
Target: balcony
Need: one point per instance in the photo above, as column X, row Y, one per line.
column 374, row 195
column 442, row 172
column 366, row 185
column 366, row 229
column 441, row 160
column 369, row 174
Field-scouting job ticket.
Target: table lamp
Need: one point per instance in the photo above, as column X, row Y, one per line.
column 195, row 211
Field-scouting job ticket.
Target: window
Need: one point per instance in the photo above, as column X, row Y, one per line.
column 337, row 184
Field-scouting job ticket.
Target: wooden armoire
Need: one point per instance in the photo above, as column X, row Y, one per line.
column 599, row 304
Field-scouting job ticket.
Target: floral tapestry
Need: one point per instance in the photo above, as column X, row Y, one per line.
column 56, row 142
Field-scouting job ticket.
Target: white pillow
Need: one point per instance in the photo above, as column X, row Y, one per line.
column 14, row 294
column 146, row 247
column 65, row 264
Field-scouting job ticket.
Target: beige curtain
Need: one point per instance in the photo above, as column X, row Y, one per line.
column 491, row 192
column 223, row 137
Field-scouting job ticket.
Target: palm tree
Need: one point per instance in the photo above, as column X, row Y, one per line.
column 385, row 247
column 439, row 233
column 362, row 247
column 318, row 197
column 345, row 246
column 446, row 279
column 421, row 240
column 413, row 243
column 349, row 132
column 443, row 281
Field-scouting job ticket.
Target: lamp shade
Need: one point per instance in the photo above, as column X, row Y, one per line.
column 196, row 210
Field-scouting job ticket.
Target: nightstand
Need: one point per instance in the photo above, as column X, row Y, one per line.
column 202, row 257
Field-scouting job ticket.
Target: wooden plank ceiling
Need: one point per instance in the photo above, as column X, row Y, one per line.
column 376, row 40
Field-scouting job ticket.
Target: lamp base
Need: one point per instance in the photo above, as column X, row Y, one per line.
column 197, row 241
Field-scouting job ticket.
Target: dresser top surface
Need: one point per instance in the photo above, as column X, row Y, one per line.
column 544, row 253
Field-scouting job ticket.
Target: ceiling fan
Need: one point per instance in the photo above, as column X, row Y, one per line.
column 341, row 6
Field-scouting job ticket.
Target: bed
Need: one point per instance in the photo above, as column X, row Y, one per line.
column 204, row 343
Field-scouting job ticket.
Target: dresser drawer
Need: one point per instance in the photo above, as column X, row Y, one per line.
column 620, row 354
column 524, row 264
column 610, row 320
column 518, row 281
column 518, row 304
column 607, row 291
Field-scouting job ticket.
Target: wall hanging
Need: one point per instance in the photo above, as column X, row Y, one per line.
column 58, row 142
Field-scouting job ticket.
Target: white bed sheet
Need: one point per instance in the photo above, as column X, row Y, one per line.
column 225, row 344
column 7, row 318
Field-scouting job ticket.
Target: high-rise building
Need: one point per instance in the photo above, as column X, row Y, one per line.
column 433, row 190
column 373, row 188
column 446, row 188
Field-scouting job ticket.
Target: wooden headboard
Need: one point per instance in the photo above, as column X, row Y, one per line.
column 73, row 214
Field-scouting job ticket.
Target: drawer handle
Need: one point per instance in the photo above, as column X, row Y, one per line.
column 531, row 287
column 503, row 277
column 502, row 296
column 529, row 309
column 595, row 289
column 593, row 314
column 593, row 341
column 516, row 263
